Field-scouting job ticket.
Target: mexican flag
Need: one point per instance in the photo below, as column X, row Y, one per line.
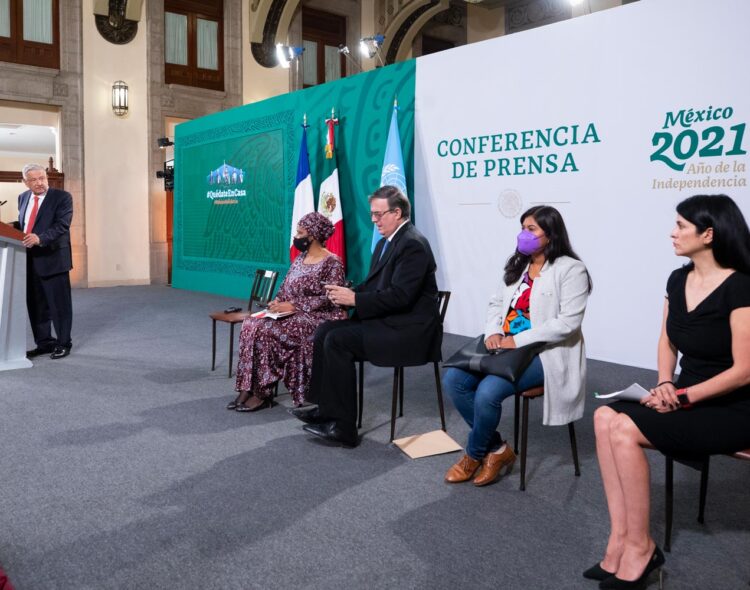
column 329, row 197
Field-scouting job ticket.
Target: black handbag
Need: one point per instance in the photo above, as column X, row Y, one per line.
column 508, row 363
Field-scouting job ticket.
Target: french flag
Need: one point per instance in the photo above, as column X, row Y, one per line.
column 304, row 201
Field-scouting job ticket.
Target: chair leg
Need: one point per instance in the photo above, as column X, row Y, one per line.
column 231, row 347
column 439, row 390
column 213, row 346
column 524, row 440
column 669, row 496
column 516, row 417
column 361, row 392
column 704, row 490
column 574, row 447
column 394, row 401
column 401, row 392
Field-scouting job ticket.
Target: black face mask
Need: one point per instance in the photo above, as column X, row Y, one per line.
column 302, row 244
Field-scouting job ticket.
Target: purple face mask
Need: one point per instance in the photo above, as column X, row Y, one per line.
column 528, row 243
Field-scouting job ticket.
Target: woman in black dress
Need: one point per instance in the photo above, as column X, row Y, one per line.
column 707, row 410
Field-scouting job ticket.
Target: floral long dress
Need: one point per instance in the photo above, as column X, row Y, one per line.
column 274, row 350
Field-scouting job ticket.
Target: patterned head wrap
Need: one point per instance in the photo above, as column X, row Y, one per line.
column 317, row 226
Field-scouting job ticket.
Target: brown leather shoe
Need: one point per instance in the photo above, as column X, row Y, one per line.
column 493, row 464
column 464, row 470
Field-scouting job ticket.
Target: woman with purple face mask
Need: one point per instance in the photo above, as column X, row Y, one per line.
column 542, row 300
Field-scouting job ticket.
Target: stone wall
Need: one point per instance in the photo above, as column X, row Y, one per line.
column 64, row 89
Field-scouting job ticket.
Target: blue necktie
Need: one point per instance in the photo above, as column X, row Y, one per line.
column 385, row 247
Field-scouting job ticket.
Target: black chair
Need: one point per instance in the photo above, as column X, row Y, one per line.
column 526, row 396
column 669, row 492
column 398, row 378
column 260, row 294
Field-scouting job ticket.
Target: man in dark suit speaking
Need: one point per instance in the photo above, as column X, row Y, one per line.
column 395, row 321
column 44, row 215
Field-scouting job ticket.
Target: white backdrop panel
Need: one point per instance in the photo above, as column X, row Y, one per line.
column 620, row 70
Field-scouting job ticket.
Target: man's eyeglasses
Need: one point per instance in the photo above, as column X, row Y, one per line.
column 378, row 215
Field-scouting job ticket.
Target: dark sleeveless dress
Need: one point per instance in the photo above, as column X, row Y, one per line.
column 704, row 337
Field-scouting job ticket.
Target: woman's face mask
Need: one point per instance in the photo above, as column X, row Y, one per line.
column 302, row 244
column 528, row 243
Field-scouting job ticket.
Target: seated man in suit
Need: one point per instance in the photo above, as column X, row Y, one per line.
column 395, row 320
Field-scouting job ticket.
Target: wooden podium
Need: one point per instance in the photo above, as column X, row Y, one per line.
column 13, row 316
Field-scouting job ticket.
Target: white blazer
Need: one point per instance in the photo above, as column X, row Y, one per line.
column 557, row 304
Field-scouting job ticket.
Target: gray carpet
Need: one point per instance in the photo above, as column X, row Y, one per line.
column 120, row 468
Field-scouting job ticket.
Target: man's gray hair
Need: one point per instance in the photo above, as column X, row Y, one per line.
column 396, row 199
column 30, row 168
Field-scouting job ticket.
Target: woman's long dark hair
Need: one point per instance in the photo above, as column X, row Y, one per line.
column 731, row 239
column 551, row 222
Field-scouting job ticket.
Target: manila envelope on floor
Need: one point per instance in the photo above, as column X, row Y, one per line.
column 436, row 442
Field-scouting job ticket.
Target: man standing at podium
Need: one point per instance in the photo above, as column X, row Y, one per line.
column 44, row 215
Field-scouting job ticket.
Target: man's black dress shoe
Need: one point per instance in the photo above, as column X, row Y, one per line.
column 60, row 352
column 38, row 352
column 330, row 432
column 309, row 415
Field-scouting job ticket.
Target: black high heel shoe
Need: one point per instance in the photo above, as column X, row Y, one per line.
column 597, row 572
column 655, row 563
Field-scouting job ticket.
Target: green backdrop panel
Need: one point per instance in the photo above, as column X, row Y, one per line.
column 237, row 207
column 235, row 175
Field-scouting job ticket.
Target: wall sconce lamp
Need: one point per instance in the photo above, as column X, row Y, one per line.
column 285, row 55
column 370, row 46
column 120, row 98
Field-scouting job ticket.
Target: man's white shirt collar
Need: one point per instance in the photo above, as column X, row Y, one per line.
column 390, row 238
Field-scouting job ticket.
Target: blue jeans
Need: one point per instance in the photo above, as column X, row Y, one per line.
column 479, row 400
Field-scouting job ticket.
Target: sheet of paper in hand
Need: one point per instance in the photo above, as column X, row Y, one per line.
column 634, row 393
column 271, row 315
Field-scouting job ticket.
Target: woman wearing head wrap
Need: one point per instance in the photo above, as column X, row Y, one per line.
column 281, row 350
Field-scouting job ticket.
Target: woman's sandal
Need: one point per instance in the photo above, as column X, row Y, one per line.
column 235, row 403
column 256, row 404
